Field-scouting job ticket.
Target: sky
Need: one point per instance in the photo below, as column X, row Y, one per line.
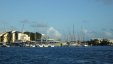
column 59, row 18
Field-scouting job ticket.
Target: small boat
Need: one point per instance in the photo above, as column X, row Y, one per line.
column 46, row 46
column 32, row 46
column 7, row 46
column 27, row 45
column 4, row 46
column 52, row 46
column 40, row 45
column 85, row 45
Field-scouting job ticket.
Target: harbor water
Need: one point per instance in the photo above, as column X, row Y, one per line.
column 57, row 55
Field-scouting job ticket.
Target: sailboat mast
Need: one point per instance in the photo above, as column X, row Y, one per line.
column 73, row 33
column 22, row 28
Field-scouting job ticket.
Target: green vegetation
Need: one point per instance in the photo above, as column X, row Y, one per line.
column 33, row 36
column 96, row 42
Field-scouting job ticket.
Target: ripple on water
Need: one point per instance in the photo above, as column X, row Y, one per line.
column 74, row 55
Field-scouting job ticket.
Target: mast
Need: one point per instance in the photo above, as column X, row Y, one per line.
column 73, row 33
column 23, row 28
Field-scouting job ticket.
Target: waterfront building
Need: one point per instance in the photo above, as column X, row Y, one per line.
column 23, row 37
column 14, row 36
column 5, row 37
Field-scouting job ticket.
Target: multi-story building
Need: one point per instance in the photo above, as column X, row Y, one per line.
column 14, row 36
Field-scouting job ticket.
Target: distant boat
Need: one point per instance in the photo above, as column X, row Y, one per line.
column 5, row 46
column 45, row 46
column 27, row 45
column 51, row 45
column 85, row 45
column 32, row 46
column 40, row 46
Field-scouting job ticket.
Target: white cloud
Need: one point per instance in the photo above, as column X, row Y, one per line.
column 85, row 31
column 90, row 34
column 105, row 2
column 108, row 34
column 53, row 33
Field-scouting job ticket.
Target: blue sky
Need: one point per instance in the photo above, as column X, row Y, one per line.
column 56, row 17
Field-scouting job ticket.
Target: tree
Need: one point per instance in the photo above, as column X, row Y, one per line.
column 9, row 37
column 33, row 36
column 94, row 42
column 105, row 42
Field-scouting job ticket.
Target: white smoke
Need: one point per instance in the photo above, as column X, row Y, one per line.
column 53, row 33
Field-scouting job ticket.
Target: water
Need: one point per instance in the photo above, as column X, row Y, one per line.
column 57, row 55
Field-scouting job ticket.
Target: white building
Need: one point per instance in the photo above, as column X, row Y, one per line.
column 14, row 36
column 23, row 37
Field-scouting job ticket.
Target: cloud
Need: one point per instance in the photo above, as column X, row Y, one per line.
column 53, row 33
column 85, row 21
column 3, row 22
column 103, row 33
column 106, row 2
column 37, row 24
column 25, row 21
column 85, row 31
column 40, row 25
column 111, row 30
column 89, row 34
column 109, row 34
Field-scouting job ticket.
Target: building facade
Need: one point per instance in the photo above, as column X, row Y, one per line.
column 14, row 36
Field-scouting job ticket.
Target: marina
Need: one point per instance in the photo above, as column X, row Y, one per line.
column 56, row 31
